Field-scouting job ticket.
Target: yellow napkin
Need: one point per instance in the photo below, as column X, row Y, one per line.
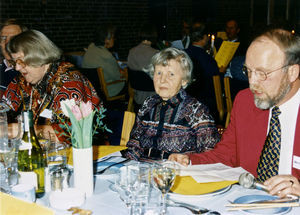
column 98, row 152
column 186, row 185
column 9, row 205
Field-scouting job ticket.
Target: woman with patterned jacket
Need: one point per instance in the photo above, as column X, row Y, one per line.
column 44, row 82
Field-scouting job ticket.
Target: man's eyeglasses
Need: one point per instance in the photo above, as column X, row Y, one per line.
column 18, row 61
column 260, row 75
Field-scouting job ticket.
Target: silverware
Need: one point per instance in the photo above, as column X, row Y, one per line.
column 193, row 208
column 103, row 170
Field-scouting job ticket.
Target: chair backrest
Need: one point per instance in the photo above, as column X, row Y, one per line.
column 219, row 97
column 104, row 85
column 228, row 99
column 128, row 122
column 139, row 80
column 130, row 106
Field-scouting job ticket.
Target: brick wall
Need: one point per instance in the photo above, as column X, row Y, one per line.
column 70, row 23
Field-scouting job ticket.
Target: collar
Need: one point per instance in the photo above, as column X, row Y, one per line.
column 198, row 46
column 292, row 102
column 7, row 66
column 175, row 100
column 234, row 40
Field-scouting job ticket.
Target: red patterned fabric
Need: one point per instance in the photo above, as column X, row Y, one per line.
column 60, row 82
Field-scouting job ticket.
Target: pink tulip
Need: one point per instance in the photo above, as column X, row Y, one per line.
column 86, row 108
column 76, row 111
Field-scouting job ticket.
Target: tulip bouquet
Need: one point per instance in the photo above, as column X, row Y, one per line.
column 81, row 117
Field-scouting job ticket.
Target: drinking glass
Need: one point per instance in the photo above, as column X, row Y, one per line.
column 4, row 187
column 163, row 176
column 141, row 195
column 3, row 135
column 56, row 153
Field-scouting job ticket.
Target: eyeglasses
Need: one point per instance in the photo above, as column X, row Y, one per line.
column 260, row 75
column 18, row 61
column 3, row 38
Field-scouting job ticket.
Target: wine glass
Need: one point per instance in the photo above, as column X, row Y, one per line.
column 163, row 176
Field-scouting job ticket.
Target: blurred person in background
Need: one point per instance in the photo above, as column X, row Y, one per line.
column 9, row 28
column 139, row 57
column 98, row 55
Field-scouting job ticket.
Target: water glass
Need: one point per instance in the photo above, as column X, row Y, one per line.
column 133, row 186
column 4, row 186
column 11, row 161
column 3, row 130
column 56, row 153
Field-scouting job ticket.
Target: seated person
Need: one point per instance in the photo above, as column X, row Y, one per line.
column 43, row 82
column 98, row 55
column 263, row 136
column 9, row 28
column 171, row 121
column 205, row 67
column 139, row 57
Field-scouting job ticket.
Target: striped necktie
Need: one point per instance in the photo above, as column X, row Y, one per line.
column 269, row 159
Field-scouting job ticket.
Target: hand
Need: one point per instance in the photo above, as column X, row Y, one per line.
column 282, row 185
column 180, row 158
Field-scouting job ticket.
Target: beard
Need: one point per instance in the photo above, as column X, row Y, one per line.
column 270, row 101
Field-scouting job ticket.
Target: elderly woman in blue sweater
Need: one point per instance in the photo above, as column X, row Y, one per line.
column 171, row 121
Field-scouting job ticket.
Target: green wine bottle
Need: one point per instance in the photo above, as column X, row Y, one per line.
column 31, row 159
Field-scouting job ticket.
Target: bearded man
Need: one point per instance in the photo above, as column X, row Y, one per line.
column 263, row 136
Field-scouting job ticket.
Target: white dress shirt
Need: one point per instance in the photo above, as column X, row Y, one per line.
column 288, row 121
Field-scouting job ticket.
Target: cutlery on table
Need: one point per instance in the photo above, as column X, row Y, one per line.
column 260, row 205
column 193, row 208
column 113, row 164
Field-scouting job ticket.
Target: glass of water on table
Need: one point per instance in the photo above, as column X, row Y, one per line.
column 56, row 154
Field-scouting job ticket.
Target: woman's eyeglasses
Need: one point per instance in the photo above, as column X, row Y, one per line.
column 14, row 63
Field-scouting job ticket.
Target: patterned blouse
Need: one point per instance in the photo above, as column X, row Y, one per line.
column 59, row 83
column 181, row 124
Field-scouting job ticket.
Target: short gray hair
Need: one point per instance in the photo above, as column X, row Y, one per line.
column 163, row 57
column 37, row 48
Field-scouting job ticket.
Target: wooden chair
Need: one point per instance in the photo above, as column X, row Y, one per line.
column 228, row 99
column 105, row 84
column 219, row 97
column 128, row 122
column 130, row 106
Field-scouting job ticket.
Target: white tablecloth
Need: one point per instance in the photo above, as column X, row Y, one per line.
column 105, row 201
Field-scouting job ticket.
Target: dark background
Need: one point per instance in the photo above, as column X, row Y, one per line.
column 70, row 23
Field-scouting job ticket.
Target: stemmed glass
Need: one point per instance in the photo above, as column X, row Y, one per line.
column 163, row 176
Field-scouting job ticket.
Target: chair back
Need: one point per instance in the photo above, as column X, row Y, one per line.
column 105, row 84
column 219, row 97
column 128, row 122
column 130, row 106
column 228, row 99
column 139, row 80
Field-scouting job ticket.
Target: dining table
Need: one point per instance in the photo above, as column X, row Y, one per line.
column 105, row 200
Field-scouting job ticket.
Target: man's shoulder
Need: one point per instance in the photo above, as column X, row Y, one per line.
column 244, row 102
